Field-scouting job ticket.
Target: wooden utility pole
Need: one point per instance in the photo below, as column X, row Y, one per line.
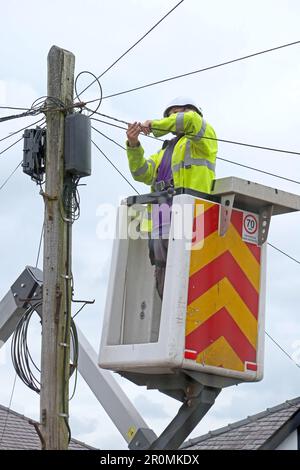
column 57, row 261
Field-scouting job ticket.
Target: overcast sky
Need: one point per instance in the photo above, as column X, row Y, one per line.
column 255, row 101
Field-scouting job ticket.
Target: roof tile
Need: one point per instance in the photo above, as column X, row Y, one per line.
column 21, row 434
column 249, row 433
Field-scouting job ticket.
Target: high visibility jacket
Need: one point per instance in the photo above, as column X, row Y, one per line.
column 193, row 158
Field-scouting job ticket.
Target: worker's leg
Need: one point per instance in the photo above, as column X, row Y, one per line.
column 158, row 256
column 158, row 245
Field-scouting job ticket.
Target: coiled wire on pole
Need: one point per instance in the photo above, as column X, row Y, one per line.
column 24, row 365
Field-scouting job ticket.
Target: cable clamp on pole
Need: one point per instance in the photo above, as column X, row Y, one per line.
column 67, row 276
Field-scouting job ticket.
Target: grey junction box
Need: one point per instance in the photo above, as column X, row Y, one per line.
column 78, row 145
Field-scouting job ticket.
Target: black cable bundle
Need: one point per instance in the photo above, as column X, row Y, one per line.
column 21, row 358
column 71, row 200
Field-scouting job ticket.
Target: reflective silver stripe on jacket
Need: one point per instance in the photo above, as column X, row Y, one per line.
column 154, row 167
column 152, row 163
column 141, row 171
column 189, row 161
column 200, row 134
column 195, row 161
column 180, row 123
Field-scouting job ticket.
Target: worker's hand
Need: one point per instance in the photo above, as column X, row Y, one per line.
column 146, row 127
column 133, row 134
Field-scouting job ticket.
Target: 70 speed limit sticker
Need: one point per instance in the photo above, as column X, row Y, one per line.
column 250, row 227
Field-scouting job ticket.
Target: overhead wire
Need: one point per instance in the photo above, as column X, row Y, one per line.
column 22, row 129
column 10, row 146
column 11, row 174
column 272, row 149
column 282, row 349
column 40, row 245
column 96, row 79
column 219, row 158
column 221, row 64
column 284, row 253
column 21, row 138
column 79, row 310
column 259, row 170
column 217, row 139
column 40, row 105
column 18, row 116
column 16, row 108
column 114, row 166
column 131, row 47
column 108, row 138
column 8, row 409
column 114, row 125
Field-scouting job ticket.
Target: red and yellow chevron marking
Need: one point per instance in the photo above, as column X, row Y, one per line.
column 223, row 294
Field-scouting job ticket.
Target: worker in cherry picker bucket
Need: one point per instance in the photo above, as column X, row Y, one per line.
column 187, row 160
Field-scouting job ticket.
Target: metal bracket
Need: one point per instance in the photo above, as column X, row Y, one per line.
column 225, row 213
column 187, row 418
column 195, row 390
column 28, row 289
column 265, row 215
column 174, row 385
column 28, row 286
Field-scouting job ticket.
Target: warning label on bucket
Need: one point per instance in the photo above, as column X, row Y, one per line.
column 250, row 227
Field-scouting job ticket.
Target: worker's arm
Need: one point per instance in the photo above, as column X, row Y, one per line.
column 142, row 169
column 188, row 123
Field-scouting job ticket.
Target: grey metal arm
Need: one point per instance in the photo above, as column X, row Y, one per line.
column 28, row 289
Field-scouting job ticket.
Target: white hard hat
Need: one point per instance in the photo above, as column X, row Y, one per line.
column 183, row 101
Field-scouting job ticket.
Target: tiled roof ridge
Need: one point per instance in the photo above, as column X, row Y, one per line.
column 19, row 415
column 250, row 419
column 30, row 421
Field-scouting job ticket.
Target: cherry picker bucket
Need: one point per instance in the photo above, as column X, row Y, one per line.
column 211, row 317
